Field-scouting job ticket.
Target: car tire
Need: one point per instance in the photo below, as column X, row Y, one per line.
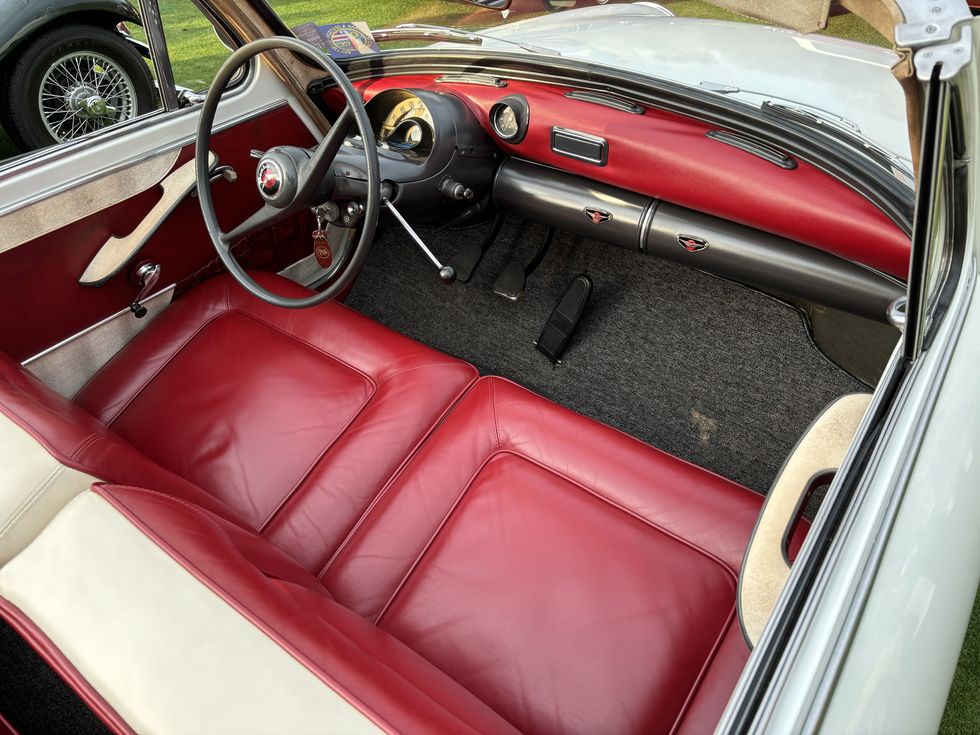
column 109, row 69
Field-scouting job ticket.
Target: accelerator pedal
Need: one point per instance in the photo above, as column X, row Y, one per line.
column 565, row 319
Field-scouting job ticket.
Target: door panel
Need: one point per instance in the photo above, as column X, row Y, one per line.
column 40, row 298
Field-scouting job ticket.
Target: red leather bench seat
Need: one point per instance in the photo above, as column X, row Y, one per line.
column 382, row 685
column 575, row 579
column 263, row 407
column 493, row 563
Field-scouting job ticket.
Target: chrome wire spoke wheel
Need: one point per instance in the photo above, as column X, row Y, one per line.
column 83, row 92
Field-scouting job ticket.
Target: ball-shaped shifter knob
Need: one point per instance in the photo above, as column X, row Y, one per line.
column 447, row 274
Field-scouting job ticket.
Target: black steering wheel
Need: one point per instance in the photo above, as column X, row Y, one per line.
column 288, row 177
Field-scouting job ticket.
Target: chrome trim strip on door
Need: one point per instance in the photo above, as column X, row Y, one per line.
column 92, row 328
column 69, row 365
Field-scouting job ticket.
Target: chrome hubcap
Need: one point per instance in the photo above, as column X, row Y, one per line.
column 84, row 92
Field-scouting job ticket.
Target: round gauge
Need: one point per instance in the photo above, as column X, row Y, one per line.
column 407, row 135
column 509, row 118
column 505, row 122
column 411, row 108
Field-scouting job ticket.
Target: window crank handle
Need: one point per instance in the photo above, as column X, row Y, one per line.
column 145, row 278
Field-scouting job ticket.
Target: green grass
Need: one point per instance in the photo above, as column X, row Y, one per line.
column 963, row 706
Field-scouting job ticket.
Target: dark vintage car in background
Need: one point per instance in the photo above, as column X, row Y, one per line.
column 70, row 67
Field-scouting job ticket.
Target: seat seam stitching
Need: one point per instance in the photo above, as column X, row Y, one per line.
column 247, row 612
column 32, row 498
column 83, row 445
column 416, row 562
column 390, row 482
column 156, row 373
column 493, row 413
column 297, row 486
column 447, row 363
column 703, row 673
column 431, row 540
column 289, row 335
column 187, row 504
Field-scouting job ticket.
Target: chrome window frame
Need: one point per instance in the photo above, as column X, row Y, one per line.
column 153, row 25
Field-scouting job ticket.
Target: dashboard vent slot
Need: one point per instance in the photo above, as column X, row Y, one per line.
column 482, row 79
column 753, row 146
column 606, row 100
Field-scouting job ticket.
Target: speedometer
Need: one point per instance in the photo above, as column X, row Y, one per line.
column 408, row 109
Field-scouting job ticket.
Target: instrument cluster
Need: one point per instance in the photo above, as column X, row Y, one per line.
column 403, row 122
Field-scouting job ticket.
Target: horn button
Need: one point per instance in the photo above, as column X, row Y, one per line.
column 276, row 177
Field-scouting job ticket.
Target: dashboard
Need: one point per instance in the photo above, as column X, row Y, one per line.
column 434, row 154
column 612, row 170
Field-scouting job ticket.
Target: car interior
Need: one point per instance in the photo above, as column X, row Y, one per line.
column 504, row 406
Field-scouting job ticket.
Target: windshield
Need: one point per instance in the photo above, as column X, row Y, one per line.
column 839, row 79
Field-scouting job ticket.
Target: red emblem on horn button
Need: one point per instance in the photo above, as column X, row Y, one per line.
column 269, row 178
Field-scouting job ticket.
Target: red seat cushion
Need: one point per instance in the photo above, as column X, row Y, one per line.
column 575, row 579
column 294, row 419
column 78, row 440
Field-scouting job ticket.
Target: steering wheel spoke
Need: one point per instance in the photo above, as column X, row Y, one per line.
column 264, row 217
column 287, row 180
column 326, row 152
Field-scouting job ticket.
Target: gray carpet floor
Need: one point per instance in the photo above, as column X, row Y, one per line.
column 713, row 372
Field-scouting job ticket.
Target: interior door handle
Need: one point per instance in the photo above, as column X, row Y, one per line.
column 819, row 453
column 118, row 251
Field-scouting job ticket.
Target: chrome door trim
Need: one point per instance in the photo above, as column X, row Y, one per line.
column 153, row 25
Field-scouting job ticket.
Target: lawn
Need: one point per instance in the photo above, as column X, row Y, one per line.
column 196, row 54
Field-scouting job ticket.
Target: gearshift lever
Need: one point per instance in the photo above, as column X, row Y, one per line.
column 446, row 272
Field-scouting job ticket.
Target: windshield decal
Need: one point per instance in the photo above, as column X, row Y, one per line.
column 340, row 40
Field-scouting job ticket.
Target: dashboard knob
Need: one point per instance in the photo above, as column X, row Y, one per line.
column 452, row 189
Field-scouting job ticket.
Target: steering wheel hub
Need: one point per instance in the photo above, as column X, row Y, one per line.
column 277, row 175
column 269, row 177
column 290, row 178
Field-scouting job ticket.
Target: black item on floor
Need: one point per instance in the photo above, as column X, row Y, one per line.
column 564, row 320
column 34, row 699
column 513, row 278
column 467, row 259
column 721, row 375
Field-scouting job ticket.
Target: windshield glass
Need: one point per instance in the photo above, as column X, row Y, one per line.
column 840, row 78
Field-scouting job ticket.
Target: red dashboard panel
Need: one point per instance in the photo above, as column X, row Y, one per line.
column 669, row 157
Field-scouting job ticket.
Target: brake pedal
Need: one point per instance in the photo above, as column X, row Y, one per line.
column 565, row 319
column 512, row 279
